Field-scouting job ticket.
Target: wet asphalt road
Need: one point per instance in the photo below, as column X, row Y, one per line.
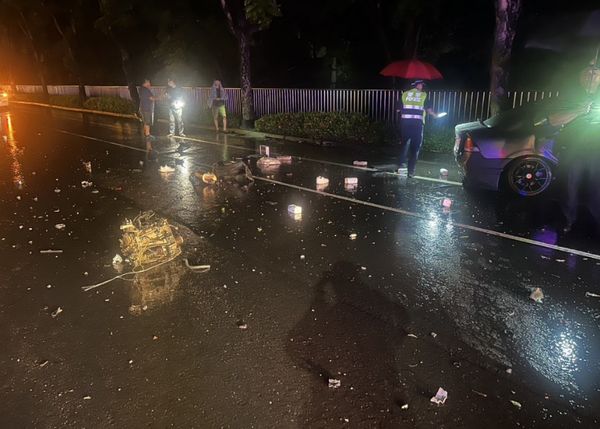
column 422, row 298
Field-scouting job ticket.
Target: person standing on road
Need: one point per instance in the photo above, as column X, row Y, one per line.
column 147, row 100
column 216, row 102
column 176, row 102
column 415, row 105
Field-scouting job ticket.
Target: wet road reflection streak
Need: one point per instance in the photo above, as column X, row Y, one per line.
column 13, row 150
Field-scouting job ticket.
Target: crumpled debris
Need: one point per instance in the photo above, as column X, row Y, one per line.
column 165, row 169
column 591, row 295
column 242, row 325
column 57, row 190
column 334, row 383
column 516, row 404
column 537, row 295
column 266, row 163
column 447, row 203
column 87, row 165
column 56, row 312
column 285, row 159
column 86, row 184
column 322, row 180
column 148, row 239
column 440, row 397
column 60, row 226
column 118, row 259
column 353, row 236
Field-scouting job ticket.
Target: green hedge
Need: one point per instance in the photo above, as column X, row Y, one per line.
column 110, row 104
column 65, row 100
column 343, row 127
column 347, row 127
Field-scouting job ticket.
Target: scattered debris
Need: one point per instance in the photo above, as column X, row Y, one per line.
column 242, row 325
column 537, row 295
column 56, row 312
column 60, row 226
column 560, row 260
column 149, row 239
column 440, row 397
column 433, row 335
column 483, row 395
column 43, row 363
column 412, row 335
column 353, row 236
column 118, row 259
column 404, row 407
column 350, row 181
column 323, row 181
column 209, row 178
column 294, row 209
column 88, row 166
column 285, row 159
column 264, row 150
column 447, row 203
column 360, row 163
column 87, row 398
column 197, row 268
column 591, row 295
column 50, row 251
column 86, row 184
column 302, row 257
column 509, row 371
column 57, row 190
column 155, row 337
column 516, row 404
column 334, row 383
column 266, row 163
column 165, row 169
column 444, row 172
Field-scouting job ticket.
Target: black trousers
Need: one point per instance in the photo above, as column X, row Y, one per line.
column 412, row 139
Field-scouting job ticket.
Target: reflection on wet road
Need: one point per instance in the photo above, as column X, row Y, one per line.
column 332, row 293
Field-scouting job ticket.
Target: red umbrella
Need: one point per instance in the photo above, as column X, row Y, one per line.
column 411, row 69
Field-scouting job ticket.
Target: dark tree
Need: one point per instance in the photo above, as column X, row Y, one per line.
column 245, row 18
column 507, row 16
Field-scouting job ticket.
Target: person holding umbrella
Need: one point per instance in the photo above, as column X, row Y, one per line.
column 415, row 106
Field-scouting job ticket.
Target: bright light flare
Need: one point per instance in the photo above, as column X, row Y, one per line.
column 179, row 103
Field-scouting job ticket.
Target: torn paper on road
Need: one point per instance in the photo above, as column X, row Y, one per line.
column 537, row 295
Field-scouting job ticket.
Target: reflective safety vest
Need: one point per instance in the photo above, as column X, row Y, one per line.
column 413, row 104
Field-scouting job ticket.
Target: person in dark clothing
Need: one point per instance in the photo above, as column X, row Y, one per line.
column 147, row 100
column 580, row 160
column 175, row 98
column 415, row 106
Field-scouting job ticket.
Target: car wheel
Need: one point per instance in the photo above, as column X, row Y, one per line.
column 529, row 176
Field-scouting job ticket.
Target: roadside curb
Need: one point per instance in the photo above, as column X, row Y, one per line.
column 78, row 110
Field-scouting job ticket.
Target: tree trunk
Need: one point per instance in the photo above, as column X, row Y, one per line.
column 507, row 16
column 126, row 67
column 245, row 81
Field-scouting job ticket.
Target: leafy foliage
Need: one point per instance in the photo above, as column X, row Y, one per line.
column 261, row 12
column 110, row 104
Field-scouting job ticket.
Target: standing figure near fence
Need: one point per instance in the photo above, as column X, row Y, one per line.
column 176, row 102
column 415, row 106
column 216, row 102
column 146, row 112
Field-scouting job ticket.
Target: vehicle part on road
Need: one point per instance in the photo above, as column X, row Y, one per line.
column 285, row 159
column 440, row 397
column 537, row 295
column 268, row 163
column 529, row 176
column 148, row 239
column 197, row 268
column 165, row 169
column 334, row 383
column 322, row 180
column 516, row 404
column 209, row 178
column 360, row 163
column 56, row 312
column 232, row 171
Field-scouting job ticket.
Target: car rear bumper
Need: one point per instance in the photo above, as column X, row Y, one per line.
column 480, row 172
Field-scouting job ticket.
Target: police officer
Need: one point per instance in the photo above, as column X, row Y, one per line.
column 415, row 105
column 176, row 102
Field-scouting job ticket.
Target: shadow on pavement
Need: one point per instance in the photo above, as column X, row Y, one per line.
column 350, row 333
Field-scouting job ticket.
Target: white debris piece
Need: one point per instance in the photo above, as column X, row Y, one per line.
column 591, row 295
column 86, row 184
column 440, row 397
column 60, row 226
column 353, row 236
column 537, row 295
column 334, row 383
column 118, row 259
column 166, row 169
column 56, row 312
column 516, row 404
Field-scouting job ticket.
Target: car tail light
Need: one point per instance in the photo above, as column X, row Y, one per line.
column 470, row 146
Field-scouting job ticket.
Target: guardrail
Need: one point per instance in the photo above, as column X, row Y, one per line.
column 379, row 104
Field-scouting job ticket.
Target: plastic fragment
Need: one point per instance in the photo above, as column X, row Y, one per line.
column 56, row 312
column 60, row 226
column 440, row 397
column 334, row 383
column 516, row 404
column 537, row 295
column 592, row 295
column 166, row 169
